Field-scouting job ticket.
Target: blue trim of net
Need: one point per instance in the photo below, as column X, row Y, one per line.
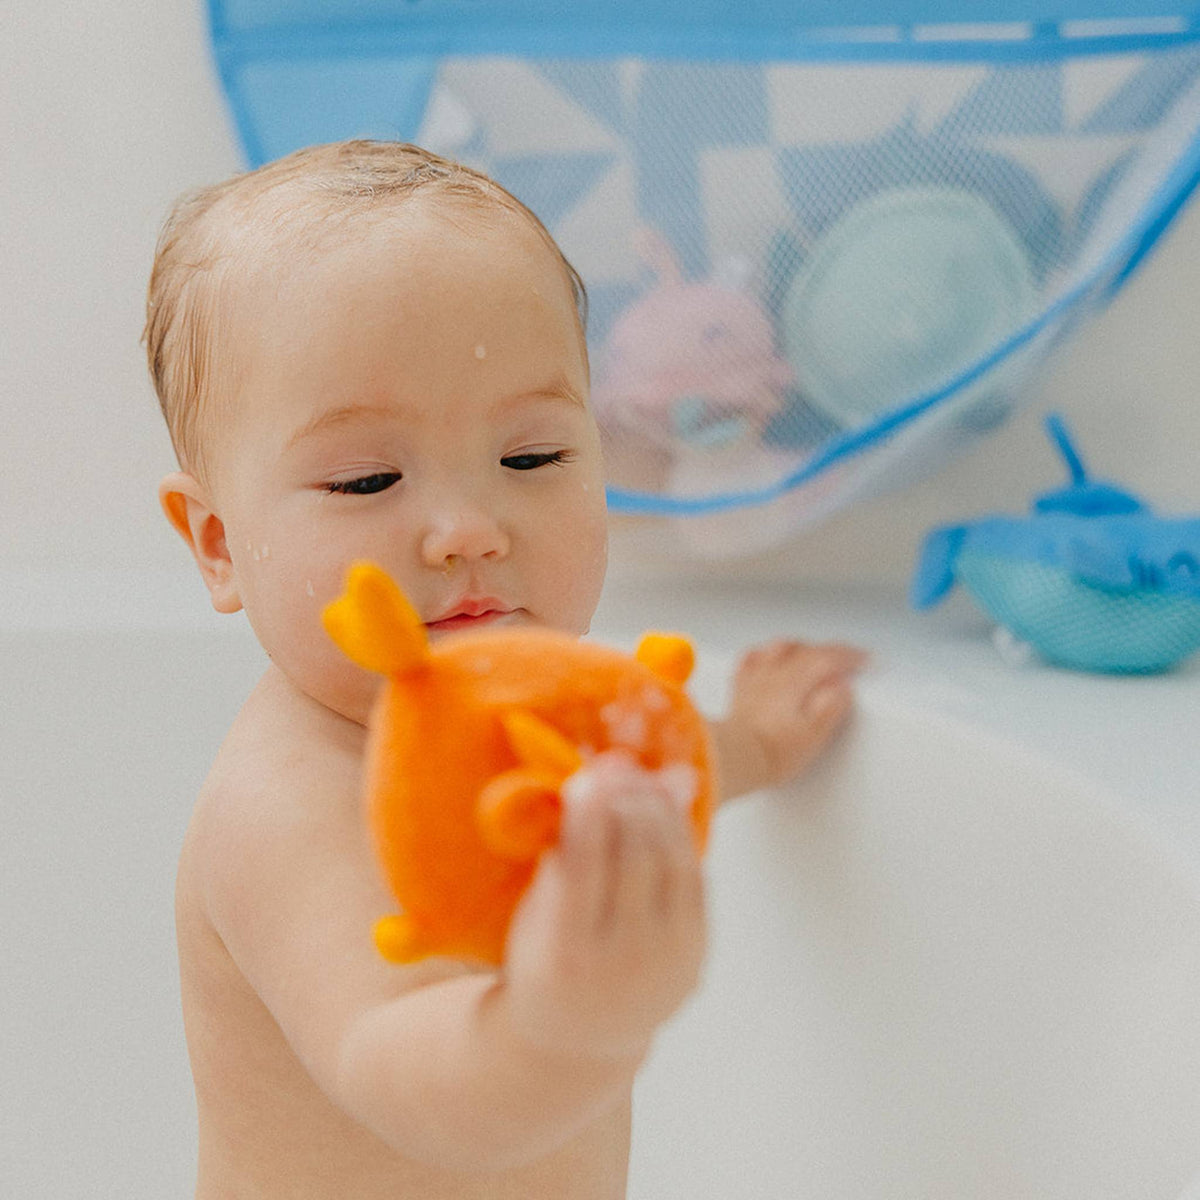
column 696, row 42
column 843, row 14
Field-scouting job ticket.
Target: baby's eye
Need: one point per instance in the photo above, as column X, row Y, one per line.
column 364, row 486
column 530, row 462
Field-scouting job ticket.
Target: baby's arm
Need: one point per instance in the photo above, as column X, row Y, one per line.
column 482, row 1071
column 789, row 699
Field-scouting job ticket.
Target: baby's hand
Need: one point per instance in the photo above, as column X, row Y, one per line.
column 610, row 938
column 789, row 699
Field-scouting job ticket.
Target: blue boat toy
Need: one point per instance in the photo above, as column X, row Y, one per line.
column 1092, row 579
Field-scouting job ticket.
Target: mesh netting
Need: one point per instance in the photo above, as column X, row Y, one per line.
column 810, row 280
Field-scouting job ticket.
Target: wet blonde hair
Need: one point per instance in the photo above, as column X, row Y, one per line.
column 292, row 200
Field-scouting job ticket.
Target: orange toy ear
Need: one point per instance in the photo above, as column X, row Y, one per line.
column 374, row 624
column 668, row 655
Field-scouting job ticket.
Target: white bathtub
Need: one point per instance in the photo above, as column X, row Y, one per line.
column 962, row 960
column 941, row 968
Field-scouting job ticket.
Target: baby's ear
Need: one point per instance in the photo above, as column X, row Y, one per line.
column 188, row 508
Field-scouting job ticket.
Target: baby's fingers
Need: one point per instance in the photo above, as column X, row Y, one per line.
column 611, row 843
column 818, row 662
column 628, row 848
column 828, row 704
column 584, row 853
column 643, row 850
column 683, row 888
column 805, row 661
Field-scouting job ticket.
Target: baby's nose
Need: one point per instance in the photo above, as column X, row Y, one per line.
column 463, row 533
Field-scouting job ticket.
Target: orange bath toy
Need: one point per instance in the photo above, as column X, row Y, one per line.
column 470, row 742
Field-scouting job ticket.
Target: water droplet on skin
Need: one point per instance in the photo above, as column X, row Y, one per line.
column 481, row 351
column 308, row 587
column 266, row 552
column 256, row 556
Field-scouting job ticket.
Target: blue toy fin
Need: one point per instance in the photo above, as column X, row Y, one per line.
column 1057, row 428
column 1082, row 496
column 934, row 576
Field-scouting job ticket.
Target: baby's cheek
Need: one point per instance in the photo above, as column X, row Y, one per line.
column 587, row 578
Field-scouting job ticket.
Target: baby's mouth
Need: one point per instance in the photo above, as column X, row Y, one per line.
column 471, row 617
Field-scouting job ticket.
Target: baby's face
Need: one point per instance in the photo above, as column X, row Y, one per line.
column 417, row 397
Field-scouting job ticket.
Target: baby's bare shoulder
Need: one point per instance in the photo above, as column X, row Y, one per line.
column 283, row 766
column 278, row 864
column 288, row 774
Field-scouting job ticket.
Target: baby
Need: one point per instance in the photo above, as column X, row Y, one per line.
column 363, row 350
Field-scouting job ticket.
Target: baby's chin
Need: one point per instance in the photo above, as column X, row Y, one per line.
column 343, row 688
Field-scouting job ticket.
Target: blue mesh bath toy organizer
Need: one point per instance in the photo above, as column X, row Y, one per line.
column 1092, row 580
column 826, row 245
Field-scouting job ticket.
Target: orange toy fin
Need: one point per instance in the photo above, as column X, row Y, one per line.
column 519, row 813
column 400, row 939
column 539, row 745
column 374, row 624
column 668, row 655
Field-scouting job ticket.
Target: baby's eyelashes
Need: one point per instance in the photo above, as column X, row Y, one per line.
column 366, row 485
column 530, row 462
